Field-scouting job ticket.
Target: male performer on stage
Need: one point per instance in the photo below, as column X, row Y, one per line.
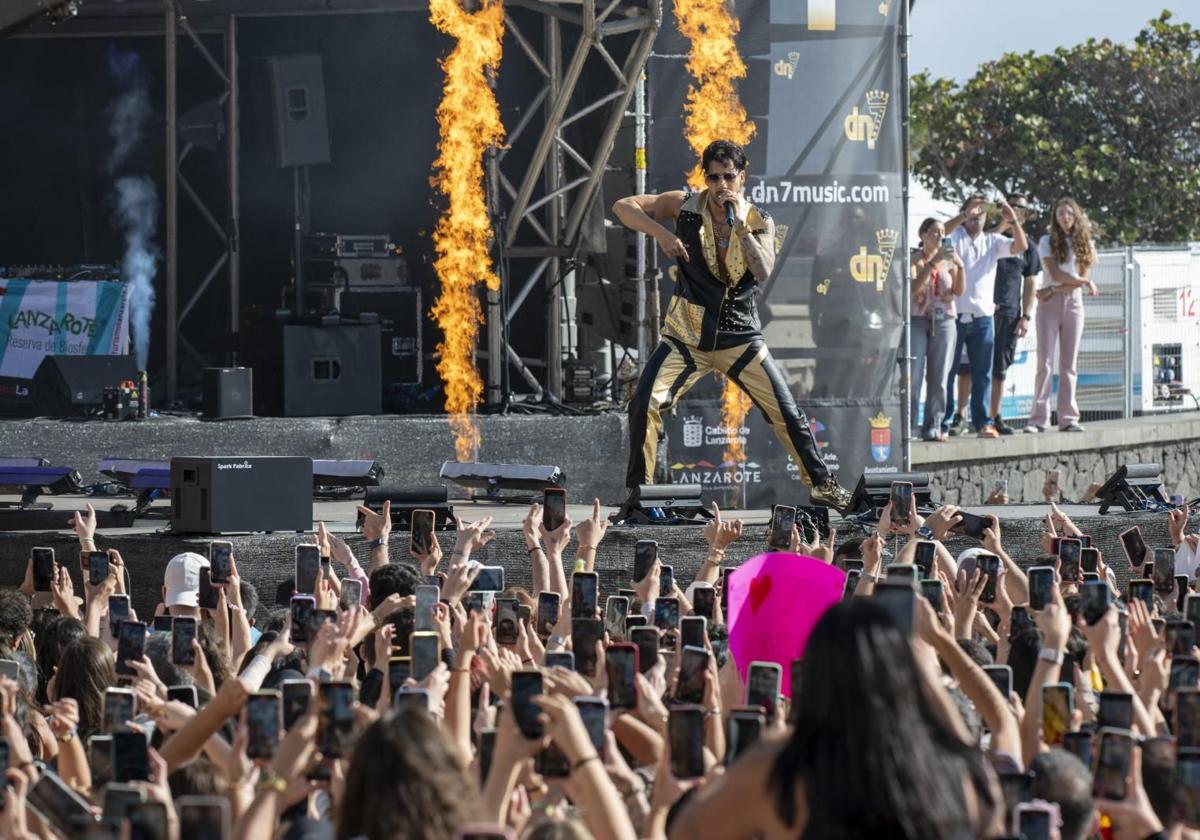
column 712, row 321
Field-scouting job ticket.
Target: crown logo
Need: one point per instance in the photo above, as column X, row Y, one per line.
column 866, row 126
column 887, row 239
column 877, row 100
column 880, row 421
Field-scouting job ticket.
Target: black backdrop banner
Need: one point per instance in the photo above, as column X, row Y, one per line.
column 824, row 92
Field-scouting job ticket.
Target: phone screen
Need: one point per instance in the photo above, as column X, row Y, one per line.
column 1089, row 559
column 646, row 639
column 185, row 694
column 118, row 611
column 744, row 729
column 1094, row 600
column 693, row 665
column 585, row 634
column 43, row 568
column 783, row 522
column 666, row 580
column 560, row 659
column 220, row 561
column 1069, row 556
column 262, row 722
column 902, row 572
column 296, row 696
column 130, row 645
column 525, row 686
column 972, row 525
column 427, row 601
column 762, row 687
column 616, row 609
column 666, row 613
column 336, row 719
column 704, row 602
column 119, row 709
column 308, row 566
column 594, row 713
column 426, row 654
column 1164, row 571
column 547, row 612
column 1184, row 672
column 351, row 594
column 1112, row 764
column 100, row 759
column 148, row 821
column 1079, row 744
column 1143, row 590
column 852, row 577
column 685, row 728
column 57, row 801
column 206, row 599
column 923, row 557
column 1134, row 545
column 1002, row 676
column 399, row 671
column 1116, row 711
column 421, row 538
column 1056, row 712
column 554, row 508
column 621, row 663
column 1041, row 587
column 932, row 591
column 131, row 759
column 897, row 599
column 302, row 610
column 490, row 579
column 204, row 817
column 97, row 567
column 1187, row 786
column 645, row 553
column 693, row 630
column 584, row 594
column 901, row 498
column 1034, row 824
column 506, row 621
column 183, row 633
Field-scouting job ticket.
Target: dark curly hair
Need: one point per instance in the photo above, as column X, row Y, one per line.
column 395, row 578
column 15, row 617
column 724, row 151
column 406, row 761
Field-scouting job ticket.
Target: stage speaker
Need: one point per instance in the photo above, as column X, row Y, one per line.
column 228, row 393
column 492, row 478
column 873, row 491
column 331, row 371
column 72, row 385
column 405, row 500
column 227, row 494
column 298, row 98
column 1133, row 487
column 662, row 504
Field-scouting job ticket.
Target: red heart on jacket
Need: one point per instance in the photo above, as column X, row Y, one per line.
column 760, row 588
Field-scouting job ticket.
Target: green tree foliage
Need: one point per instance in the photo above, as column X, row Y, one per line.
column 1116, row 126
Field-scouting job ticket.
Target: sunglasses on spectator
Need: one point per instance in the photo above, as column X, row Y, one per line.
column 727, row 177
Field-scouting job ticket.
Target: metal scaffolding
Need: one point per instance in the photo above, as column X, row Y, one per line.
column 545, row 199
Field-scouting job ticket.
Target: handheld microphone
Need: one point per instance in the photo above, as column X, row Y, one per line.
column 729, row 213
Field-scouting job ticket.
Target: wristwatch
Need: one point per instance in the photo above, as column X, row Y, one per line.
column 1052, row 655
column 925, row 532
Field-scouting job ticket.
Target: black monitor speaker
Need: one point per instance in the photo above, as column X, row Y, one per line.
column 298, row 99
column 72, row 385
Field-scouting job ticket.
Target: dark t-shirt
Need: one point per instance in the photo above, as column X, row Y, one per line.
column 1010, row 273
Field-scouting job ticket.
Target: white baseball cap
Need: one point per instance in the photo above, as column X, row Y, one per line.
column 182, row 580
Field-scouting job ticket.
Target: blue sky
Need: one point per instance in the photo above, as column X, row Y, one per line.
column 952, row 37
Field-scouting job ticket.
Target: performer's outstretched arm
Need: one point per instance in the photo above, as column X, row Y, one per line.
column 759, row 249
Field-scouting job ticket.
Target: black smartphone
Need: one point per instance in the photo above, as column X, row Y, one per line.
column 1187, row 786
column 336, row 720
column 1021, row 620
column 206, row 598
column 308, row 567
column 621, row 664
column 1034, row 821
column 852, row 577
column 1164, row 571
column 1112, row 764
column 685, row 729
column 645, row 555
column 1115, row 711
column 148, row 821
column 666, row 580
column 903, row 573
column 185, row 694
column 420, row 540
column 1057, row 703
column 100, row 759
column 489, row 579
column 1068, row 554
column 1016, row 788
column 404, row 620
column 693, row 665
column 426, row 654
column 98, row 567
column 549, row 604
column 898, row 600
column 616, row 610
column 554, row 508
column 1134, row 545
column 43, row 568
column 1090, row 577
column 635, row 620
column 744, row 728
column 1089, row 560
column 783, row 522
column 525, row 686
column 932, row 592
column 972, row 525
column 585, row 634
column 296, row 696
column 1185, row 672
column 923, row 556
column 220, row 561
column 1143, row 590
column 427, row 597
column 1085, row 540
column 1094, row 600
column 130, row 645
column 119, row 800
column 58, row 802
column 1041, row 587
column 203, row 817
column 183, row 633
column 118, row 611
column 505, row 621
column 550, row 762
column 317, row 618
column 559, row 659
column 399, row 671
column 131, row 757
column 704, row 602
column 1182, row 586
column 302, row 610
column 763, row 680
column 1187, row 717
column 1191, row 608
column 693, row 630
column 487, row 747
column 262, row 724
column 120, row 707
column 1079, row 744
column 1179, row 637
column 161, row 624
column 1002, row 676
column 666, row 613
column 646, row 640
column 901, row 499
column 585, row 594
column 818, row 517
column 594, row 713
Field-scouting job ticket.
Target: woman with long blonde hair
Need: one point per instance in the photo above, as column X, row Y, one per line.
column 1068, row 255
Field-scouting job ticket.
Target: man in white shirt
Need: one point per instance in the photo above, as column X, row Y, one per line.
column 979, row 253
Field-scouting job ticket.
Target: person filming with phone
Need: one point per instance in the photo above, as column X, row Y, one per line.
column 938, row 279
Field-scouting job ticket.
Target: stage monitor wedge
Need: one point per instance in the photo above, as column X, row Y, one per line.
column 496, row 477
column 1133, row 487
column 70, row 386
column 873, row 490
column 663, row 504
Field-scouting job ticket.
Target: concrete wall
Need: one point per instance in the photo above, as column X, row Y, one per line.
column 963, row 471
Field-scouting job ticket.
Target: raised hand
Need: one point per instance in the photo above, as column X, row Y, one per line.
column 718, row 533
column 592, row 530
column 376, row 526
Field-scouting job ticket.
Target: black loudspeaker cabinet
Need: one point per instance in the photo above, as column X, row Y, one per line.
column 228, row 393
column 401, row 348
column 298, row 99
column 70, row 385
column 316, row 371
column 236, row 494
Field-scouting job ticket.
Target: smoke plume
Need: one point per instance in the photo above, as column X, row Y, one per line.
column 135, row 195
